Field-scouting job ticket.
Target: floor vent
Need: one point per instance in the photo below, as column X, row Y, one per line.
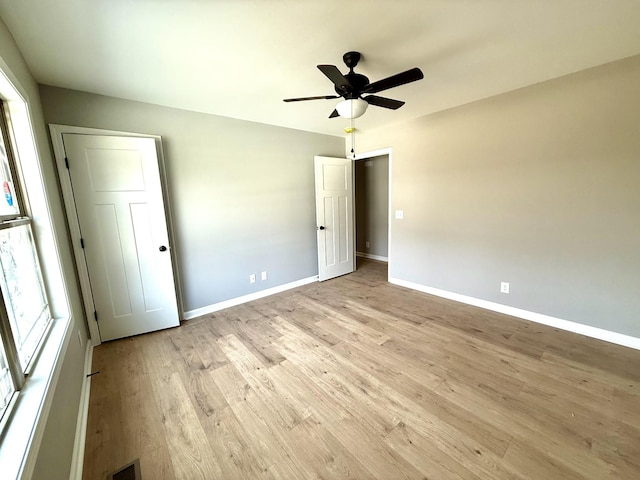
column 128, row 472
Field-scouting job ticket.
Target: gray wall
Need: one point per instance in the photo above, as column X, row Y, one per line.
column 372, row 205
column 241, row 193
column 56, row 448
column 539, row 187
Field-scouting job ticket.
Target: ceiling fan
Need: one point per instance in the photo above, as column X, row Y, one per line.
column 352, row 86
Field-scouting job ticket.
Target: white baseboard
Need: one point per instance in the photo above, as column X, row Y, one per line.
column 587, row 330
column 372, row 257
column 247, row 298
column 77, row 461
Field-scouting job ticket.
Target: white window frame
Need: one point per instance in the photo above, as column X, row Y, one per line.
column 24, row 427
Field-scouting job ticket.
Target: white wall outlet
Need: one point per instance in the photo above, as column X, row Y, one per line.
column 366, row 244
column 263, row 275
column 252, row 278
column 399, row 214
column 504, row 287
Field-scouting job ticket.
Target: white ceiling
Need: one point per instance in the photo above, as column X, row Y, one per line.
column 240, row 58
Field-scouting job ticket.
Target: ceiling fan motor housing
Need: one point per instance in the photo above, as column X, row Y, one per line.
column 357, row 81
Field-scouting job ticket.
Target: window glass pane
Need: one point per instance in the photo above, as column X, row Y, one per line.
column 8, row 203
column 6, row 385
column 22, row 289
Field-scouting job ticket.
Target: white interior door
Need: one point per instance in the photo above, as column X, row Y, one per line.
column 334, row 216
column 118, row 198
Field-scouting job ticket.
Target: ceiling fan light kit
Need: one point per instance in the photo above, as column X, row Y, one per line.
column 352, row 108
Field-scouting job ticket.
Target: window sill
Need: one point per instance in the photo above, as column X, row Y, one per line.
column 24, row 429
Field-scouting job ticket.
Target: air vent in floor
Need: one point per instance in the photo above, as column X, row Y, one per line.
column 128, row 472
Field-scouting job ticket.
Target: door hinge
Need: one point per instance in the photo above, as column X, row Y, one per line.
column 95, row 315
column 82, row 242
column 66, row 162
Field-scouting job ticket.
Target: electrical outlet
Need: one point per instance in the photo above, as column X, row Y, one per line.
column 399, row 214
column 263, row 275
column 252, row 278
column 504, row 287
column 366, row 244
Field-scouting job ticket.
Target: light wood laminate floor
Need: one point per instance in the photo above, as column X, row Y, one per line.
column 357, row 378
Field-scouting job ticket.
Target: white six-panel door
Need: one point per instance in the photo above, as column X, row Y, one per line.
column 334, row 216
column 118, row 198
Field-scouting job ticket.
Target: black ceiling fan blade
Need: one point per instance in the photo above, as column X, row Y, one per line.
column 302, row 99
column 394, row 81
column 334, row 114
column 339, row 80
column 384, row 102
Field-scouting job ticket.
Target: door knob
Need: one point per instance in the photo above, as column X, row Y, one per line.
column 320, row 227
column 163, row 248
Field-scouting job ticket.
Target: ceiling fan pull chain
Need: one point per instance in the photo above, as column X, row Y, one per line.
column 353, row 135
column 351, row 129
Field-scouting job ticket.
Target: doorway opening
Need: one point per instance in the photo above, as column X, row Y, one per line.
column 336, row 219
column 371, row 205
column 114, row 191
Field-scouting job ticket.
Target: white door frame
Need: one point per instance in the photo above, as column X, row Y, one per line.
column 56, row 132
column 376, row 153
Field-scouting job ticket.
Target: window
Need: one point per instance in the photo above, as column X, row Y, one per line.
column 7, row 388
column 24, row 309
